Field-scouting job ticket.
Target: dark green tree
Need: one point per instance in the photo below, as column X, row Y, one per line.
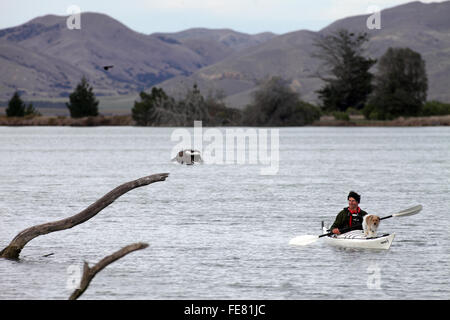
column 400, row 85
column 82, row 101
column 155, row 109
column 276, row 104
column 194, row 106
column 16, row 107
column 31, row 111
column 342, row 53
column 435, row 108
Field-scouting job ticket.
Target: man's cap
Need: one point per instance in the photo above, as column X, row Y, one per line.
column 354, row 195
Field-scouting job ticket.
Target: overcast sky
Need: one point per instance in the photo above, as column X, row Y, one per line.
column 249, row 16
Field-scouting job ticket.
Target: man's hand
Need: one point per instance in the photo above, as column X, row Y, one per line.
column 336, row 231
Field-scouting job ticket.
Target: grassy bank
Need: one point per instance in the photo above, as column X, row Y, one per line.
column 119, row 120
column 360, row 121
column 126, row 120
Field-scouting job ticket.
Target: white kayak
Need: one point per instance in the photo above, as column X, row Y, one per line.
column 356, row 239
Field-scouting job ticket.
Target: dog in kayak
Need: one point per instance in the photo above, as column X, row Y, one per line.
column 370, row 225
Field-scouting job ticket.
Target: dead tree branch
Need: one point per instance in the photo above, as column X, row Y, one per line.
column 12, row 251
column 89, row 273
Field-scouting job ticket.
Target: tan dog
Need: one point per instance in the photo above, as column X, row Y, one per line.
column 370, row 225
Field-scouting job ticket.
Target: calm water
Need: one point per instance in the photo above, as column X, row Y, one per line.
column 222, row 231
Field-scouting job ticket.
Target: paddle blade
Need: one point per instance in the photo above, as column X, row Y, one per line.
column 409, row 211
column 303, row 240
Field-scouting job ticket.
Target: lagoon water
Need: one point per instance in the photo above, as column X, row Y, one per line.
column 221, row 231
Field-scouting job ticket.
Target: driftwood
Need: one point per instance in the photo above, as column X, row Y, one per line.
column 12, row 251
column 89, row 273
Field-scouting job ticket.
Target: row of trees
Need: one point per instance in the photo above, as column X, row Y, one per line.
column 399, row 87
column 82, row 103
column 18, row 108
column 274, row 104
column 158, row 109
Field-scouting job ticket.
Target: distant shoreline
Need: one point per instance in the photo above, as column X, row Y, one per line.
column 127, row 120
column 359, row 121
column 63, row 121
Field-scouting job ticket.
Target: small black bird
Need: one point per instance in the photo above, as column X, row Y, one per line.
column 107, row 67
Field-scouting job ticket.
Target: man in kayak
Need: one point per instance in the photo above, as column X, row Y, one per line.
column 352, row 216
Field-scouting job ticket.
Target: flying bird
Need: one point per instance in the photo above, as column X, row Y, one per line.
column 107, row 67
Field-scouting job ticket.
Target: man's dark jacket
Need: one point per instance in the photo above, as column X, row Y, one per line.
column 343, row 220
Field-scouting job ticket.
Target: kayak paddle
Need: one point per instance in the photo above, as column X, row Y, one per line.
column 308, row 239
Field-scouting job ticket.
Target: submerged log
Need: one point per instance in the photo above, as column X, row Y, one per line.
column 89, row 273
column 12, row 251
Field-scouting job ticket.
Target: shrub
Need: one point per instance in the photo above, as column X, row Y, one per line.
column 435, row 108
column 339, row 115
column 276, row 104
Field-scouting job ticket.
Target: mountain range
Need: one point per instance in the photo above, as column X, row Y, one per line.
column 44, row 60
